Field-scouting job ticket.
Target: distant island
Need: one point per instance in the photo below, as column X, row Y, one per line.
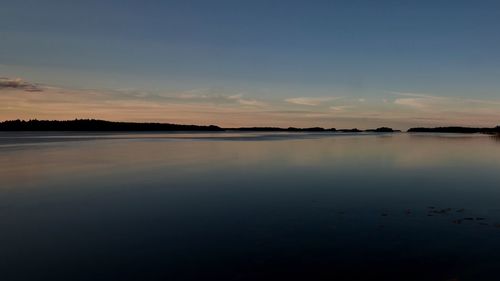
column 460, row 130
column 102, row 125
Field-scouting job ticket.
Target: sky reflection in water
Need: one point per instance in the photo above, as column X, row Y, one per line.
column 249, row 206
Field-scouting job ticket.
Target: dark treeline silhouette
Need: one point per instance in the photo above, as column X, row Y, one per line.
column 383, row 130
column 463, row 130
column 97, row 125
column 355, row 130
column 101, row 125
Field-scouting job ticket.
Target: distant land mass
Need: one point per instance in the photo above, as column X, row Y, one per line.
column 97, row 125
column 461, row 130
column 102, row 125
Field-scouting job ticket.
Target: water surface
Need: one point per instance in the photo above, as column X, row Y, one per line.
column 249, row 206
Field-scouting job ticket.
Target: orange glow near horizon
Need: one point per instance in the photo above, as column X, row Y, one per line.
column 403, row 111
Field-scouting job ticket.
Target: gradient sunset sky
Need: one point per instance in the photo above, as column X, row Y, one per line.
column 253, row 63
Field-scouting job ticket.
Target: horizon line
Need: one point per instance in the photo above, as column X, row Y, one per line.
column 160, row 126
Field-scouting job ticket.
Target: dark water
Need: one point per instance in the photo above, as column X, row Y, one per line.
column 249, row 207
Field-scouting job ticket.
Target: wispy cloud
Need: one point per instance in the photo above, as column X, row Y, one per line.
column 17, row 83
column 310, row 101
column 418, row 103
column 426, row 102
column 245, row 101
column 421, row 102
column 341, row 108
column 214, row 96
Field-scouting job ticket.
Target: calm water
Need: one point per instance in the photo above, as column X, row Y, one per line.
column 249, row 207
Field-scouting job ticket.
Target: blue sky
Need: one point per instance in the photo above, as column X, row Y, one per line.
column 345, row 56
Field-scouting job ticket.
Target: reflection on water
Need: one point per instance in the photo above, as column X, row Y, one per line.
column 249, row 206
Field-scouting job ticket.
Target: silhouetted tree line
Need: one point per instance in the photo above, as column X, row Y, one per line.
column 383, row 130
column 463, row 130
column 101, row 125
column 97, row 125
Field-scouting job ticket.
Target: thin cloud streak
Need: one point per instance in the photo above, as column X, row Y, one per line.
column 17, row 83
column 310, row 101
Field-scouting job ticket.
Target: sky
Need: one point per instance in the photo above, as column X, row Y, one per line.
column 340, row 64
